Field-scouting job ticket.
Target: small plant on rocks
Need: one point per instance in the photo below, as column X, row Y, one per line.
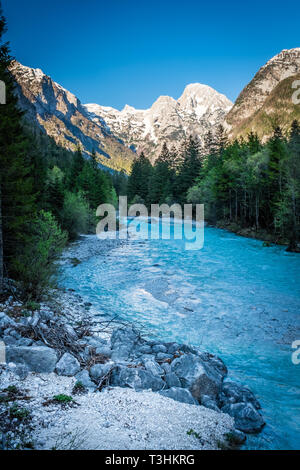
column 79, row 388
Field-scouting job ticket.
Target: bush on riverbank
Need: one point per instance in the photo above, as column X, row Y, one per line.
column 35, row 264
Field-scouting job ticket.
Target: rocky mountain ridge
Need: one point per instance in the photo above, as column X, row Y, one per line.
column 254, row 110
column 60, row 114
column 115, row 135
column 199, row 109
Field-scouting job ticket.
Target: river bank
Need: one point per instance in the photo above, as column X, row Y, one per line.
column 257, row 234
column 233, row 298
column 68, row 363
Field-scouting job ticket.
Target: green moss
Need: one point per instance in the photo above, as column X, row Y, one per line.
column 20, row 413
column 61, row 398
column 79, row 388
column 31, row 305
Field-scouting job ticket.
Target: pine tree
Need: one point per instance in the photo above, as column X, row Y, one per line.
column 274, row 175
column 190, row 168
column 138, row 182
column 291, row 199
column 76, row 169
column 221, row 139
column 163, row 178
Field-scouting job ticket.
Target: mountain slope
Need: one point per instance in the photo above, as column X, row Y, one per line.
column 62, row 117
column 267, row 99
column 198, row 110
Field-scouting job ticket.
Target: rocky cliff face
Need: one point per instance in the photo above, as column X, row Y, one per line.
column 198, row 110
column 62, row 116
column 267, row 99
column 115, row 135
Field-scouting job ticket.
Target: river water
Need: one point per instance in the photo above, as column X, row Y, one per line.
column 233, row 297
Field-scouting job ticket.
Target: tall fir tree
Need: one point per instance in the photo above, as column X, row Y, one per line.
column 190, row 168
column 16, row 185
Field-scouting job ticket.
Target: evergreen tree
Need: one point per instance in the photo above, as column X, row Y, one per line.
column 16, row 185
column 76, row 169
column 190, row 168
column 163, row 177
column 138, row 182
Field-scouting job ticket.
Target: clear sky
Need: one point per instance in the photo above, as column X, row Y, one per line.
column 115, row 52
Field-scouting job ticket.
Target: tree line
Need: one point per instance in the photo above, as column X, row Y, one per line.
column 245, row 182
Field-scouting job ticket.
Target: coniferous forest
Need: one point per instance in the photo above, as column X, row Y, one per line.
column 243, row 184
column 143, row 329
column 49, row 195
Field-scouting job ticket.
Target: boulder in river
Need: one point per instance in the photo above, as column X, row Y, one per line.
column 233, row 392
column 246, row 417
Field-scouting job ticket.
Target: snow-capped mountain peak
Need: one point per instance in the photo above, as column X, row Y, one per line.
column 198, row 110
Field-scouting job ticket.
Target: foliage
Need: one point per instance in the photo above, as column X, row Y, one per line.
column 243, row 182
column 62, row 398
column 35, row 264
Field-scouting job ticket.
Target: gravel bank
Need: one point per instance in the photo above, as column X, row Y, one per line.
column 116, row 418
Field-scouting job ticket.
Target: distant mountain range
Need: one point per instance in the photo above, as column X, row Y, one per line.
column 199, row 109
column 116, row 135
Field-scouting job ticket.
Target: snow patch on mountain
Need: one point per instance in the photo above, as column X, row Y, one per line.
column 198, row 110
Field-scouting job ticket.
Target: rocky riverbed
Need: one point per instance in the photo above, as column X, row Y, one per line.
column 63, row 370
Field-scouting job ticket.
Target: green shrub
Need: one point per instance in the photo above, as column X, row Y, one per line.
column 17, row 412
column 35, row 265
column 61, row 398
column 76, row 215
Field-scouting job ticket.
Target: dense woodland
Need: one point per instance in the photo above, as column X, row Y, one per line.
column 244, row 182
column 49, row 195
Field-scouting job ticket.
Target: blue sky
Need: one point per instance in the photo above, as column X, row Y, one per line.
column 115, row 52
